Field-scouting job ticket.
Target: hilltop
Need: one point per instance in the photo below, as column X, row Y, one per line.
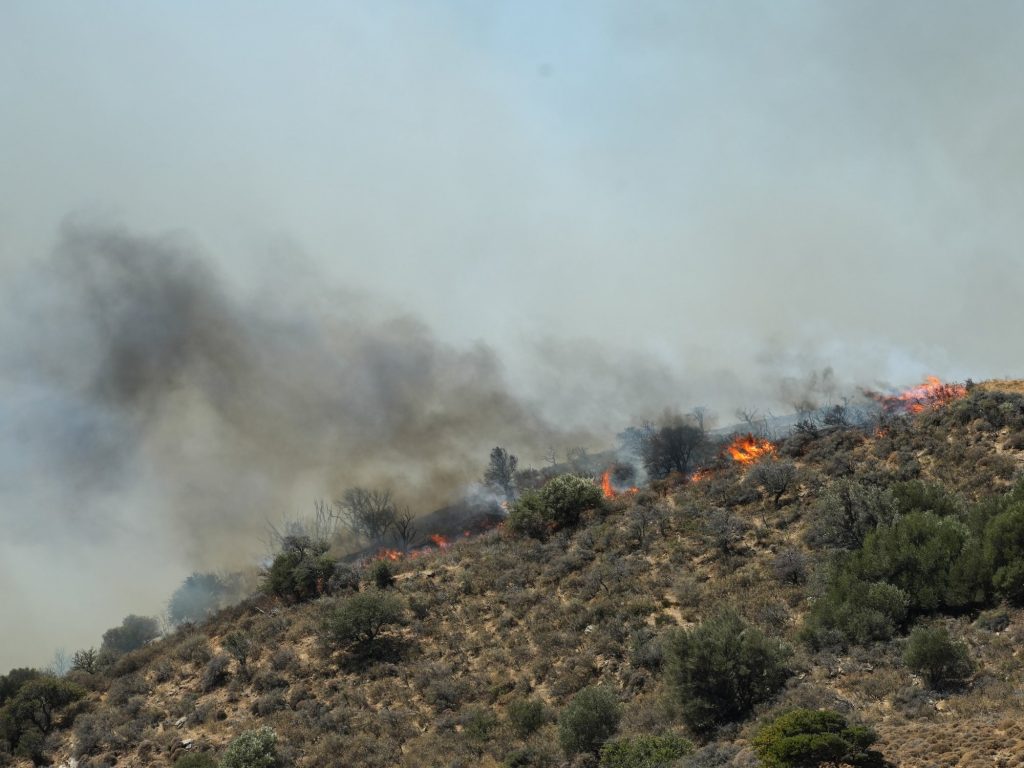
column 827, row 548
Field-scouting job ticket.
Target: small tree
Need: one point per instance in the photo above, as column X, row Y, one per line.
column 199, row 595
column 807, row 738
column 368, row 513
column 934, row 655
column 501, row 472
column 588, row 721
column 362, row 618
column 775, row 476
column 33, row 712
column 301, row 571
column 721, row 670
column 527, row 715
column 240, row 648
column 672, row 447
column 252, row 749
column 134, row 632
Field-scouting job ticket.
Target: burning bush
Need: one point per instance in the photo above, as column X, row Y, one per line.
column 557, row 505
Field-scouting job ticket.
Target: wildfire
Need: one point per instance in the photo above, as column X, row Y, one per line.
column 441, row 542
column 700, row 474
column 932, row 393
column 609, row 490
column 606, row 484
column 746, row 449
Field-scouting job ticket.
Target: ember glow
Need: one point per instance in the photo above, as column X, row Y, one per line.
column 932, row 393
column 700, row 474
column 746, row 449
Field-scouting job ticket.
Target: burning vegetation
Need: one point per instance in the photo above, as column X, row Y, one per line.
column 747, row 449
column 931, row 393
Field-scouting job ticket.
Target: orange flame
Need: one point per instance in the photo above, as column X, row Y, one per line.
column 390, row 554
column 606, row 484
column 609, row 490
column 700, row 474
column 746, row 449
column 932, row 393
column 440, row 541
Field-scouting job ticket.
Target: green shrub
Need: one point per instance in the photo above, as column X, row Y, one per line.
column 381, row 575
column 527, row 715
column 1004, row 553
column 134, row 632
column 195, row 760
column 718, row 672
column 301, row 571
column 855, row 611
column 588, row 720
column 557, row 505
column 934, row 655
column 361, row 618
column 13, row 680
column 252, row 749
column 807, row 738
column 644, row 751
column 35, row 710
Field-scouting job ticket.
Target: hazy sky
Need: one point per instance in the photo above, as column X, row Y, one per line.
column 621, row 206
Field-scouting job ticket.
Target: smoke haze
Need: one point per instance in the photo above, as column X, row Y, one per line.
column 252, row 255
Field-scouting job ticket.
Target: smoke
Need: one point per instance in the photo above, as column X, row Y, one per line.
column 159, row 419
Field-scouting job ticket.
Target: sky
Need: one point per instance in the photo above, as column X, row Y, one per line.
column 584, row 212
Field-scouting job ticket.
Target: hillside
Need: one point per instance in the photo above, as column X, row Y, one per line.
column 500, row 631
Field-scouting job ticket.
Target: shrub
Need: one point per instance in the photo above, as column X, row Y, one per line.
column 35, row 710
column 195, row 650
column 776, row 477
column 934, row 655
column 557, row 505
column 239, row 647
column 805, row 738
column 855, row 611
column 134, row 632
column 361, row 619
column 199, row 595
column 644, row 751
column 848, row 512
column 1004, row 552
column 381, row 575
column 588, row 720
column 195, row 760
column 252, row 749
column 527, row 715
column 301, row 571
column 721, row 670
column 790, row 566
column 215, row 673
column 13, row 680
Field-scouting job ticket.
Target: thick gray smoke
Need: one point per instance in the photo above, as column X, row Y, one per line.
column 157, row 420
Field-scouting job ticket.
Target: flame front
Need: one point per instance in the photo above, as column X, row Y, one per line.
column 746, row 449
column 932, row 393
column 606, row 484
